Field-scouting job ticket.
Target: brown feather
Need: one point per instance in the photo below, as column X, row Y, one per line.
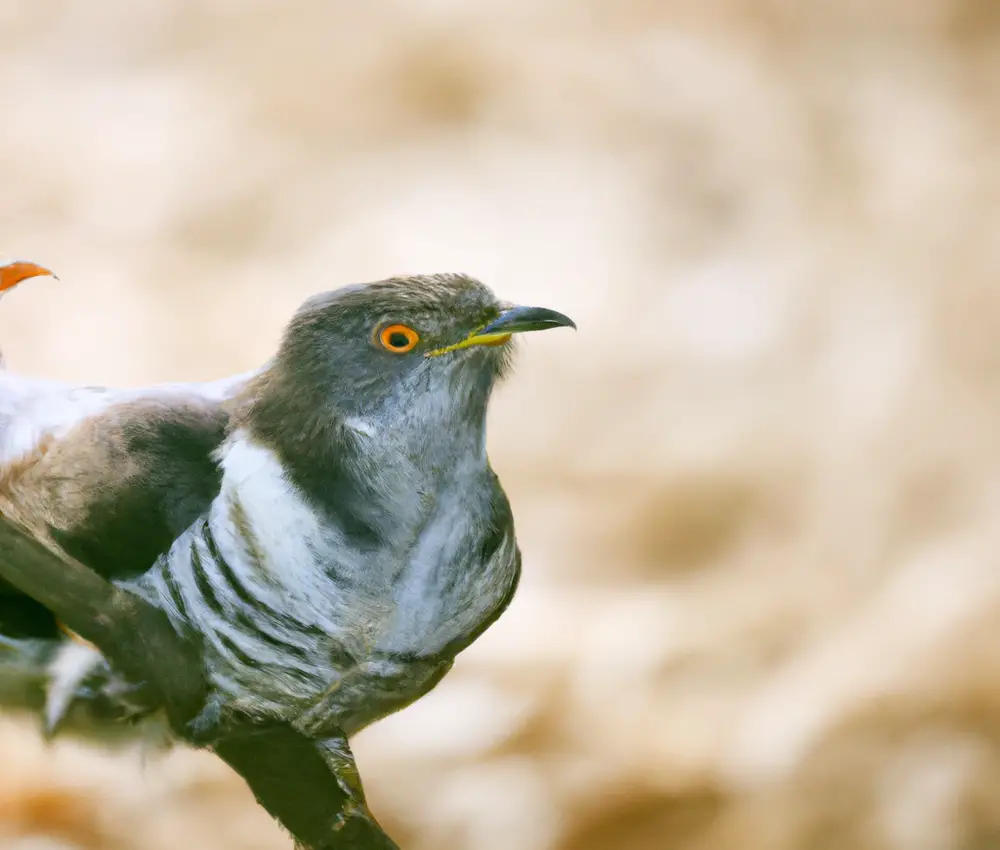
column 120, row 486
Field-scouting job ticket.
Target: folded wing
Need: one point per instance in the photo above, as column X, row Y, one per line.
column 111, row 476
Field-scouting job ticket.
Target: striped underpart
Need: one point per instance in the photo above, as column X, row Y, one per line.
column 296, row 624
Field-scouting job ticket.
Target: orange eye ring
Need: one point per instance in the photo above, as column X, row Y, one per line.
column 398, row 339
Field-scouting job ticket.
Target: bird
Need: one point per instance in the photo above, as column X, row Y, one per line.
column 328, row 527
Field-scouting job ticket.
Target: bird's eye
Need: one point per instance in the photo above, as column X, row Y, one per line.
column 398, row 339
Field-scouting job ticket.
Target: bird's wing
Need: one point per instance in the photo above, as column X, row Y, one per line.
column 33, row 411
column 111, row 475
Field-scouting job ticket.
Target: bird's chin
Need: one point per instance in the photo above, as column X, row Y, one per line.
column 492, row 358
column 502, row 356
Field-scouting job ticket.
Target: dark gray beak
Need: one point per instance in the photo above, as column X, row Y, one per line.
column 521, row 319
column 513, row 321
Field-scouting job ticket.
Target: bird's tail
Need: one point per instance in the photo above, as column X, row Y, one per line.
column 70, row 688
column 65, row 682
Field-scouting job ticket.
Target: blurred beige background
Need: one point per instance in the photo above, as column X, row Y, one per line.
column 758, row 491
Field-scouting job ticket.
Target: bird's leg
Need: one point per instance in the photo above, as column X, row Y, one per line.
column 336, row 752
column 384, row 679
column 206, row 726
column 315, row 722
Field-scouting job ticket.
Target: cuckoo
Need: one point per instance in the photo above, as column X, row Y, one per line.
column 328, row 527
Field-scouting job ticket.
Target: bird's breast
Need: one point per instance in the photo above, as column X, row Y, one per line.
column 295, row 620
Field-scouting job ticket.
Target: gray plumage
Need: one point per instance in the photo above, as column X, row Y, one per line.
column 358, row 538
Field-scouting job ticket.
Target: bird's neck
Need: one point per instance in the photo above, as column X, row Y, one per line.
column 423, row 567
column 372, row 476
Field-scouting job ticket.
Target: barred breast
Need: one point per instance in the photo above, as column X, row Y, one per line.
column 298, row 624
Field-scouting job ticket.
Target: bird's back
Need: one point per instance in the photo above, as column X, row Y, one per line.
column 111, row 475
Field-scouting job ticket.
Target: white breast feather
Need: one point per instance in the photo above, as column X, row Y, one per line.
column 296, row 544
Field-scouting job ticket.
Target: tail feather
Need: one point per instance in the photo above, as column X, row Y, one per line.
column 63, row 681
column 66, row 674
column 71, row 690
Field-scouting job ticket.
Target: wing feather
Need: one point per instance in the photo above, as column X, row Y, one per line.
column 34, row 410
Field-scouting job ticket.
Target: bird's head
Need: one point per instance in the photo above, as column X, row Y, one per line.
column 408, row 353
column 375, row 403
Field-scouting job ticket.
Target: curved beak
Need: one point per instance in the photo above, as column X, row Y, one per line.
column 521, row 319
column 514, row 320
column 12, row 273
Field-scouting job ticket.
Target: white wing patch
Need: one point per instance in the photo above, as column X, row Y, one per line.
column 32, row 410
